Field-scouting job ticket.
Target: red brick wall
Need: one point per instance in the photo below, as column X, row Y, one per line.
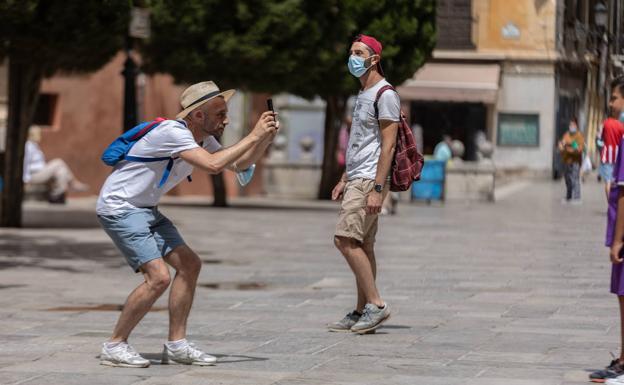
column 89, row 117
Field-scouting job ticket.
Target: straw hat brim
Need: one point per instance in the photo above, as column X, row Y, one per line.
column 225, row 94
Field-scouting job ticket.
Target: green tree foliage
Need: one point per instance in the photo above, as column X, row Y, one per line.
column 41, row 38
column 295, row 46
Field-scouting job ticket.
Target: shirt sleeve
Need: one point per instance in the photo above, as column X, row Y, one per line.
column 389, row 106
column 212, row 145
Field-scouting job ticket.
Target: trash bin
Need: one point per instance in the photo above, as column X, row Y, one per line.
column 431, row 184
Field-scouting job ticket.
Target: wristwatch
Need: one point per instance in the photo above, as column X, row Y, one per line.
column 379, row 188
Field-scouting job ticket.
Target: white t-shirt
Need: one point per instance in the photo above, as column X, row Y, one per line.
column 135, row 184
column 34, row 160
column 364, row 145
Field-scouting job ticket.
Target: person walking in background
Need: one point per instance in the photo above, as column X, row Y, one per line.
column 55, row 173
column 343, row 142
column 571, row 147
column 612, row 132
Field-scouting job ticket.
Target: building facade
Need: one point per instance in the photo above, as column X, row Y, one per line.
column 80, row 115
column 516, row 71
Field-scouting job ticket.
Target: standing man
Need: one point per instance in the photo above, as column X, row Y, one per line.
column 615, row 240
column 571, row 147
column 127, row 210
column 365, row 184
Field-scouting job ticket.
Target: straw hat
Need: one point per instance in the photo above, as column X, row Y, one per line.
column 198, row 94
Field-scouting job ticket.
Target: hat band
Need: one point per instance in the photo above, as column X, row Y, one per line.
column 208, row 96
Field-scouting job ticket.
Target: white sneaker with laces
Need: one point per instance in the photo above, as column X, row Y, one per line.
column 187, row 355
column 122, row 355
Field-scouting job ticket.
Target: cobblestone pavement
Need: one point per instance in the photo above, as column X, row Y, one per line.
column 512, row 293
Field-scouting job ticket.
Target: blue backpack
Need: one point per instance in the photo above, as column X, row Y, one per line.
column 119, row 149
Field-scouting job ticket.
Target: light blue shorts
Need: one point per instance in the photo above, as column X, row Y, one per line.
column 606, row 171
column 142, row 235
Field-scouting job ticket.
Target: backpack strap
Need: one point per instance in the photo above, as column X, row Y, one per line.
column 170, row 160
column 381, row 91
column 146, row 129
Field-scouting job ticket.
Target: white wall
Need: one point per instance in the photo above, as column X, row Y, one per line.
column 527, row 89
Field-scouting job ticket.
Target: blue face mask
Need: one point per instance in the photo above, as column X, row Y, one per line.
column 357, row 66
column 244, row 176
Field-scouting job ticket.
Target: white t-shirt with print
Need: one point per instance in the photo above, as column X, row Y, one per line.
column 135, row 184
column 364, row 145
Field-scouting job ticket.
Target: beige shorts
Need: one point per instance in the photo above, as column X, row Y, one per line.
column 353, row 222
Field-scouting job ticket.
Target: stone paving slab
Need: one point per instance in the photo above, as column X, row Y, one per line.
column 512, row 293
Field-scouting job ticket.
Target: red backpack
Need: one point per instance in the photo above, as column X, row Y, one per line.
column 408, row 161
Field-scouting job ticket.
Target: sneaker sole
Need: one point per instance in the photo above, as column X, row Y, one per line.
column 122, row 365
column 336, row 330
column 171, row 362
column 371, row 330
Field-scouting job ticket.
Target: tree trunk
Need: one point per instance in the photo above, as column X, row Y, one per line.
column 218, row 187
column 334, row 116
column 24, row 82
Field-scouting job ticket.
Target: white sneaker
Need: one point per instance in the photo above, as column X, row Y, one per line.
column 187, row 355
column 615, row 381
column 122, row 355
column 371, row 318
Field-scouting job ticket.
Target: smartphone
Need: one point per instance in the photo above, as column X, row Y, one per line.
column 270, row 105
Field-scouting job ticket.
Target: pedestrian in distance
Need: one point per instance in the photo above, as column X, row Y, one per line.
column 364, row 184
column 571, row 147
column 127, row 209
column 614, row 372
column 442, row 150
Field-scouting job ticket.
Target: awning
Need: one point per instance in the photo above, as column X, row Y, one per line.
column 444, row 82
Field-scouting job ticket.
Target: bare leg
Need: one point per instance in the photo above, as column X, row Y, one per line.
column 361, row 266
column 607, row 189
column 621, row 301
column 187, row 265
column 369, row 249
column 142, row 298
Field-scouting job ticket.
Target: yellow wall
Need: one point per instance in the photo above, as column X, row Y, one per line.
column 536, row 20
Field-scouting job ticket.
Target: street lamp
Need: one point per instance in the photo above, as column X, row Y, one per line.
column 139, row 28
column 601, row 15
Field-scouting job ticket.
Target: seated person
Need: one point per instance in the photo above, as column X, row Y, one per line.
column 55, row 173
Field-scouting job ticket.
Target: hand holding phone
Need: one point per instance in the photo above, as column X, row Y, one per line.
column 270, row 108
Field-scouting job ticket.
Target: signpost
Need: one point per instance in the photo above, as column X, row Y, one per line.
column 139, row 28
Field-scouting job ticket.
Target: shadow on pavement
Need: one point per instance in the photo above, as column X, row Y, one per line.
column 155, row 358
column 55, row 253
column 59, row 218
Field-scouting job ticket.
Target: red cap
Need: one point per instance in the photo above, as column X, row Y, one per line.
column 373, row 44
column 370, row 41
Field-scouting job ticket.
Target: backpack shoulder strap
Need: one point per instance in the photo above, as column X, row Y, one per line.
column 147, row 128
column 381, row 91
